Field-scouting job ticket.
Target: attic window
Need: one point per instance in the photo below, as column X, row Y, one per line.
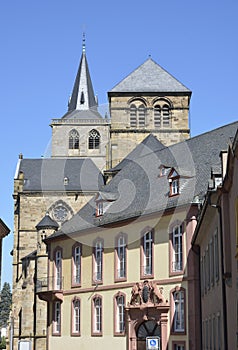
column 162, row 171
column 173, row 183
column 66, row 181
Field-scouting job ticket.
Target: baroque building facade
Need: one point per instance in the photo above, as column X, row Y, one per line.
column 103, row 228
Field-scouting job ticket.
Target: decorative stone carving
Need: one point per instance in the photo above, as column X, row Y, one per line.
column 147, row 293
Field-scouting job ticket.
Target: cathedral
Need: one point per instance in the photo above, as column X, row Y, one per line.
column 103, row 228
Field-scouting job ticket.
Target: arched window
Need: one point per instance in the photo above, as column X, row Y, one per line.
column 147, row 242
column 166, row 115
column 73, row 139
column 141, row 115
column 120, row 257
column 76, row 316
column 76, row 264
column 137, row 114
column 94, row 139
column 177, row 248
column 162, row 114
column 98, row 261
column 119, row 314
column 157, row 116
column 58, row 268
column 133, row 116
column 97, row 315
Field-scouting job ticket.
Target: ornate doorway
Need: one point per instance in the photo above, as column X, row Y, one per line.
column 147, row 329
column 147, row 315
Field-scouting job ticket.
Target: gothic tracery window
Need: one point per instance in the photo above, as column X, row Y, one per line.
column 94, row 139
column 73, row 139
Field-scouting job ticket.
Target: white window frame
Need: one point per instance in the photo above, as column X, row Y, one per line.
column 76, row 316
column 148, row 253
column 77, row 265
column 58, row 269
column 97, row 319
column 98, row 256
column 120, row 314
column 121, row 257
column 177, row 244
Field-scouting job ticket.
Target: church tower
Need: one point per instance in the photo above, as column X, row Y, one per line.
column 82, row 132
column 149, row 100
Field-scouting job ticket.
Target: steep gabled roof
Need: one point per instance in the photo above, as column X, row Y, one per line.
column 150, row 77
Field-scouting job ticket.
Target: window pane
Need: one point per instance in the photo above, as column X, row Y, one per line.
column 148, row 253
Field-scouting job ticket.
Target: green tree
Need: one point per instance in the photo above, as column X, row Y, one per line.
column 5, row 304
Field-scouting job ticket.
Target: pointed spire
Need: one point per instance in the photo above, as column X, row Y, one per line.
column 82, row 97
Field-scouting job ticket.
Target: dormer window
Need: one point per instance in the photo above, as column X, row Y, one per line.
column 103, row 201
column 99, row 208
column 173, row 182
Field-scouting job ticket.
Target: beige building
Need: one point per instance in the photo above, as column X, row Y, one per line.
column 216, row 235
column 102, row 229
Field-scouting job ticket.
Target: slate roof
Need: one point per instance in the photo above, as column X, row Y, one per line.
column 48, row 174
column 150, row 143
column 150, row 77
column 142, row 191
column 47, row 222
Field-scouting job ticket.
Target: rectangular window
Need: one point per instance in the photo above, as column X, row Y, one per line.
column 57, row 318
column 76, row 265
column 179, row 311
column 179, row 347
column 98, row 251
column 175, row 187
column 147, row 254
column 99, row 208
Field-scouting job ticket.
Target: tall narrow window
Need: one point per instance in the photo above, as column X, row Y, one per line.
column 133, row 116
column 177, row 248
column 58, row 269
column 141, row 115
column 97, row 316
column 94, row 139
column 119, row 318
column 166, row 116
column 120, row 272
column 157, row 116
column 76, row 265
column 147, row 254
column 97, row 263
column 57, row 318
column 76, row 316
column 178, row 298
column 73, row 139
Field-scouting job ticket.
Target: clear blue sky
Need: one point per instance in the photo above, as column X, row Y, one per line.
column 41, row 41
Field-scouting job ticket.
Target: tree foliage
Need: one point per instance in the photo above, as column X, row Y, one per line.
column 5, row 304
